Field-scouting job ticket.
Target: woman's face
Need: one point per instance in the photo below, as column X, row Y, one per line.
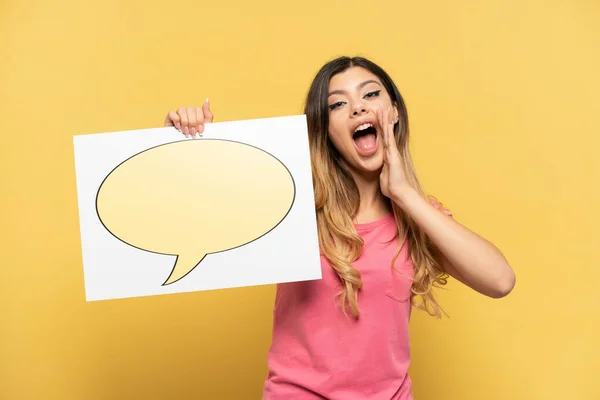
column 353, row 99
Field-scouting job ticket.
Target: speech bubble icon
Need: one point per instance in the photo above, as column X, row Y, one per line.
column 195, row 197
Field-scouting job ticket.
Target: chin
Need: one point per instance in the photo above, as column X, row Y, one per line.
column 368, row 165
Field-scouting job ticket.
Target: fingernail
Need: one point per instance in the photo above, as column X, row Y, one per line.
column 207, row 99
column 201, row 128
column 178, row 126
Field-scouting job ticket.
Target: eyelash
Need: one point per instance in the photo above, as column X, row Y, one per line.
column 374, row 93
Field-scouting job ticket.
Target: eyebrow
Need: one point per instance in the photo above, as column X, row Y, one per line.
column 362, row 85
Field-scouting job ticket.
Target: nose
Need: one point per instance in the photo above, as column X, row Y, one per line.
column 358, row 109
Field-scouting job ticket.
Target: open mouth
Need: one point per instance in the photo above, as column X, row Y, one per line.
column 365, row 138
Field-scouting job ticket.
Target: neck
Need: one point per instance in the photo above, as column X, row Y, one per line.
column 373, row 204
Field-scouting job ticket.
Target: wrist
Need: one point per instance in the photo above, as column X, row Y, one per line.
column 405, row 196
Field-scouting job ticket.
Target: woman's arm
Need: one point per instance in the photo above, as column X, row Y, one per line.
column 463, row 254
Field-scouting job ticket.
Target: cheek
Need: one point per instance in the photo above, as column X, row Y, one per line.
column 336, row 140
column 336, row 132
column 383, row 103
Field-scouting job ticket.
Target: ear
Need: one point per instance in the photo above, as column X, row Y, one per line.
column 396, row 113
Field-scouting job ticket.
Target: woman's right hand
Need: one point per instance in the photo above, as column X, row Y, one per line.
column 190, row 120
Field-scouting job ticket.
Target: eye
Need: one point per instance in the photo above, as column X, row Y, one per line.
column 336, row 105
column 374, row 93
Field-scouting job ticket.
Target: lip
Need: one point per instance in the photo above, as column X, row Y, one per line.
column 363, row 152
column 370, row 152
column 364, row 121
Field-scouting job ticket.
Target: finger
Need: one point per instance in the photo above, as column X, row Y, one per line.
column 192, row 120
column 390, row 125
column 382, row 125
column 184, row 121
column 173, row 120
column 385, row 118
column 200, row 119
column 208, row 115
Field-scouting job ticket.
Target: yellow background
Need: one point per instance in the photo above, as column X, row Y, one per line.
column 503, row 97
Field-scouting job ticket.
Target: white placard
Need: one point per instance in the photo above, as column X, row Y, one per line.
column 122, row 176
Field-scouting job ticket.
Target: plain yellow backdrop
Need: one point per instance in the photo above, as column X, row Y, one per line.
column 504, row 107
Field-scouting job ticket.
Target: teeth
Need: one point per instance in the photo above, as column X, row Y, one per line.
column 363, row 126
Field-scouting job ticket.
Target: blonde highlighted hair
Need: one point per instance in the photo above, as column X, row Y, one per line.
column 337, row 198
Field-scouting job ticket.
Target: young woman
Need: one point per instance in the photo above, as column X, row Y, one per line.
column 384, row 244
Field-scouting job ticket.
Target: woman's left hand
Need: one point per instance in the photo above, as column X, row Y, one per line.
column 392, row 179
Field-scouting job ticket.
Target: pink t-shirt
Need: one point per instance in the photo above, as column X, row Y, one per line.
column 318, row 353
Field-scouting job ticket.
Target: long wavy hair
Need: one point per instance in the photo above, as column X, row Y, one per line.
column 337, row 198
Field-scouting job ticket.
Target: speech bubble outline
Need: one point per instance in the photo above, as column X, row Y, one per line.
column 178, row 255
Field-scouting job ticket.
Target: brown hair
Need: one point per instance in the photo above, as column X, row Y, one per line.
column 337, row 197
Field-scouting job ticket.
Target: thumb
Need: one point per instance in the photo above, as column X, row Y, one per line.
column 208, row 115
